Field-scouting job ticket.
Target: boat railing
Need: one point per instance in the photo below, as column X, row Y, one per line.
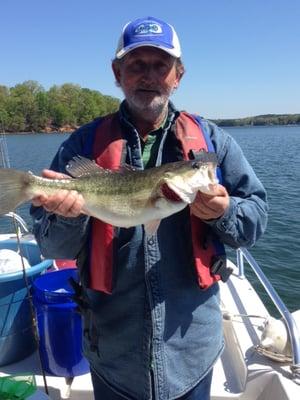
column 19, row 222
column 288, row 319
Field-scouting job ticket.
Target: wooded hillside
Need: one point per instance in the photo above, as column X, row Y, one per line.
column 268, row 119
column 28, row 107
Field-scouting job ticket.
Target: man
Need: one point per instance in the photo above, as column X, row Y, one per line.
column 152, row 322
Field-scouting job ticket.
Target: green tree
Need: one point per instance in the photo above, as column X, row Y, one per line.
column 60, row 115
column 90, row 104
column 4, row 117
column 42, row 105
column 22, row 104
column 28, row 107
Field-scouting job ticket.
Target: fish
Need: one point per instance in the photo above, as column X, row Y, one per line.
column 125, row 197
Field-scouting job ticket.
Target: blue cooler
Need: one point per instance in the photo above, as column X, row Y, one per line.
column 16, row 332
column 59, row 324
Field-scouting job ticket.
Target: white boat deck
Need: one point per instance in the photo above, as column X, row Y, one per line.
column 58, row 388
column 240, row 373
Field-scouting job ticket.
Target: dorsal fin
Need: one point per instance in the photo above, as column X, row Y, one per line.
column 80, row 166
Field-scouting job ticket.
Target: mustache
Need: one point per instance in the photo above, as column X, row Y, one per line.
column 149, row 88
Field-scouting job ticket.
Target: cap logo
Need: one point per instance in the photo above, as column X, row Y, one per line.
column 148, row 29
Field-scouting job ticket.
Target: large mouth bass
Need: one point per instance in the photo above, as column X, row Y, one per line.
column 122, row 198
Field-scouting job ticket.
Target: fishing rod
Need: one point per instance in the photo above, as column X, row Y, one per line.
column 3, row 147
column 31, row 307
column 6, row 164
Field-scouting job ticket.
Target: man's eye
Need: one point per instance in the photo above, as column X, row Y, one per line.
column 161, row 67
column 136, row 67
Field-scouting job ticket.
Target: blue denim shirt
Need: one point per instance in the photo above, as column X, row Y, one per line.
column 157, row 321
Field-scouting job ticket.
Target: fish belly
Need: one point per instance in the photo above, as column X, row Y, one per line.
column 130, row 216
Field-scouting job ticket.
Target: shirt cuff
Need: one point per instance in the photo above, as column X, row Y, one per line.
column 224, row 223
column 71, row 220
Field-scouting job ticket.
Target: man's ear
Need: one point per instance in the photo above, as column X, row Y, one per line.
column 176, row 84
column 180, row 74
column 116, row 70
column 177, row 81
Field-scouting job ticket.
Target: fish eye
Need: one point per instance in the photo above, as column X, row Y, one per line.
column 195, row 165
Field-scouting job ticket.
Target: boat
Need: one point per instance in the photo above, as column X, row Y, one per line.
column 247, row 370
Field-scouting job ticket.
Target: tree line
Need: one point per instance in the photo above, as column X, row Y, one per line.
column 268, row 119
column 28, row 107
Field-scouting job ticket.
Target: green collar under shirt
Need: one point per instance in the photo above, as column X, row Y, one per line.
column 150, row 146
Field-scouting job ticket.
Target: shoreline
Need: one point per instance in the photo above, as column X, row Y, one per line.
column 50, row 129
column 36, row 133
column 62, row 130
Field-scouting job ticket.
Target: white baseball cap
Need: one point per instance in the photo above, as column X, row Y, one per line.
column 151, row 32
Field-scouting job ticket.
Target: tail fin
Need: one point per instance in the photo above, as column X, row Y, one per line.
column 13, row 186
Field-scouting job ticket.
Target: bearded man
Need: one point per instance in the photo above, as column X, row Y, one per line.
column 151, row 314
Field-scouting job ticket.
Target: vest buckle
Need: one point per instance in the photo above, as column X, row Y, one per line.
column 220, row 267
column 196, row 154
column 78, row 296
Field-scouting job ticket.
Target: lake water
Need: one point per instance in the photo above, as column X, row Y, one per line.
column 274, row 154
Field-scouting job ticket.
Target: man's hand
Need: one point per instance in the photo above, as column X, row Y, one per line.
column 211, row 206
column 62, row 202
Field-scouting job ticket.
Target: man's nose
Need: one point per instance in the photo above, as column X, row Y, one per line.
column 149, row 70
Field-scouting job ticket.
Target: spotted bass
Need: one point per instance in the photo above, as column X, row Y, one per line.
column 123, row 198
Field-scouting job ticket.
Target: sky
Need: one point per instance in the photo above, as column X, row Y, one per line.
column 242, row 58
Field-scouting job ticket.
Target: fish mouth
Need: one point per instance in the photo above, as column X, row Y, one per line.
column 170, row 194
column 212, row 176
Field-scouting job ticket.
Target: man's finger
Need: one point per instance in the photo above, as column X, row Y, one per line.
column 48, row 173
column 39, row 200
column 68, row 203
column 215, row 190
column 53, row 201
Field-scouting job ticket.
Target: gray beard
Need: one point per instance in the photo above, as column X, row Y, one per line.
column 148, row 111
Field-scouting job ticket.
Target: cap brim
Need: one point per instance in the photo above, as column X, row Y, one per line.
column 173, row 52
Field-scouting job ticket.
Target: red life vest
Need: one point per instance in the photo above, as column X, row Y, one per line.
column 108, row 149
